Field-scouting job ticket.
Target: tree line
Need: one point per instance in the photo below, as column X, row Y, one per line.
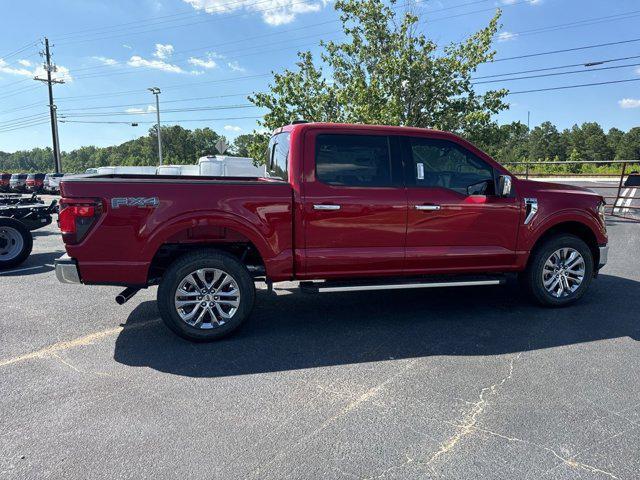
column 508, row 143
column 180, row 146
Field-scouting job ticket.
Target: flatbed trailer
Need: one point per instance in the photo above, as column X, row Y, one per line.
column 32, row 216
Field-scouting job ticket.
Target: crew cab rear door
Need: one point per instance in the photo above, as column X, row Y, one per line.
column 354, row 204
column 456, row 222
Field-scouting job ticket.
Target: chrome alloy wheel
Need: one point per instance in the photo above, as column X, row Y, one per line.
column 207, row 298
column 11, row 243
column 563, row 272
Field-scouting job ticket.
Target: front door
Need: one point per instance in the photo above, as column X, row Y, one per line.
column 354, row 205
column 456, row 222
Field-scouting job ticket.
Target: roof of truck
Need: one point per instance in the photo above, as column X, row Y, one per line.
column 360, row 126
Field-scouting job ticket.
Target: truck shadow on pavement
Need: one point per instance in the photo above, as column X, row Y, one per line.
column 296, row 331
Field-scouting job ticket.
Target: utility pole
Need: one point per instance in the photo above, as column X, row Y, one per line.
column 49, row 67
column 156, row 92
column 528, row 118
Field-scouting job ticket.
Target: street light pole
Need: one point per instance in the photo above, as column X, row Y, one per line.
column 156, row 92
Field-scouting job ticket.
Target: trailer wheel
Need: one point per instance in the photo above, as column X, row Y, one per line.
column 205, row 295
column 15, row 243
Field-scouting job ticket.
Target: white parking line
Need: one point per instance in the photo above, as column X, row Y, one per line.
column 620, row 201
column 629, row 200
column 22, row 270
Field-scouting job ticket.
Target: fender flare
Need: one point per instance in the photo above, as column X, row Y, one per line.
column 563, row 216
column 206, row 218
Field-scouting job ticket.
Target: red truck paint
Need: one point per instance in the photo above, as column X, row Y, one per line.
column 377, row 231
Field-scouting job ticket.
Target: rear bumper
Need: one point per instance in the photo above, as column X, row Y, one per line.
column 604, row 256
column 67, row 270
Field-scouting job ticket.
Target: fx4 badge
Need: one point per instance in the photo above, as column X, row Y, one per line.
column 141, row 202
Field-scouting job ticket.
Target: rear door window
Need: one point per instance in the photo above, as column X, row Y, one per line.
column 353, row 160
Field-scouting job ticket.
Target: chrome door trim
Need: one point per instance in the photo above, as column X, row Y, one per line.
column 325, row 207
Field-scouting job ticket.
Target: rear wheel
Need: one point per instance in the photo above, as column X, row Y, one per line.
column 15, row 243
column 560, row 271
column 205, row 295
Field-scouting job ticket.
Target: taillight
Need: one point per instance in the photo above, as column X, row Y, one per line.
column 77, row 216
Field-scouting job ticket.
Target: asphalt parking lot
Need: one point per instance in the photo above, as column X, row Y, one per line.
column 459, row 383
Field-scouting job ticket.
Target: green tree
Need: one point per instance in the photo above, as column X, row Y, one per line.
column 386, row 73
column 545, row 142
column 590, row 141
column 614, row 138
column 629, row 148
column 242, row 144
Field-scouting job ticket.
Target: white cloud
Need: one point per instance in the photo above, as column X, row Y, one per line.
column 24, row 63
column 138, row 61
column 232, row 128
column 163, row 51
column 61, row 73
column 128, row 47
column 629, row 103
column 5, row 68
column 513, row 2
column 105, row 60
column 235, row 66
column 274, row 12
column 149, row 109
column 506, row 36
column 207, row 63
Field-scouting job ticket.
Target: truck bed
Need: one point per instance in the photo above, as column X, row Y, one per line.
column 178, row 210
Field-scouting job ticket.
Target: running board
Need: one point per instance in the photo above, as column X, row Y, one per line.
column 328, row 287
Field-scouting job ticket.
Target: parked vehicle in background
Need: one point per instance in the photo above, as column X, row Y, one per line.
column 223, row 166
column 5, row 179
column 18, row 182
column 127, row 170
column 91, row 171
column 633, row 180
column 347, row 207
column 177, row 170
column 35, row 182
column 48, row 185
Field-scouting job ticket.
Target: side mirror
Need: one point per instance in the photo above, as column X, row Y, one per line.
column 504, row 186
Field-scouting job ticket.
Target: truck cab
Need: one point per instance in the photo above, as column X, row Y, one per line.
column 344, row 207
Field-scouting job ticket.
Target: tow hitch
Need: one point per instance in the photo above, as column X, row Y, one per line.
column 124, row 296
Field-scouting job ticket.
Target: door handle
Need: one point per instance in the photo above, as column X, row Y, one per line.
column 322, row 206
column 428, row 207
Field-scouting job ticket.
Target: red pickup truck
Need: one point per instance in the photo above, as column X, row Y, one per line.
column 345, row 207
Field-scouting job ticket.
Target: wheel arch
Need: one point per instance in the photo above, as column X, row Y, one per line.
column 206, row 230
column 571, row 227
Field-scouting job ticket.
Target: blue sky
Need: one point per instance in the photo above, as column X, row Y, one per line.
column 206, row 55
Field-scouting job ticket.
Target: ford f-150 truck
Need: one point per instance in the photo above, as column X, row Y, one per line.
column 345, row 207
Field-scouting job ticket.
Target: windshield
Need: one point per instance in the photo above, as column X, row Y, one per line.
column 279, row 156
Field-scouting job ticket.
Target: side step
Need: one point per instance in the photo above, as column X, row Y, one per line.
column 400, row 284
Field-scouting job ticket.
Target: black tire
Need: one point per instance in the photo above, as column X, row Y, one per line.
column 9, row 229
column 189, row 263
column 532, row 277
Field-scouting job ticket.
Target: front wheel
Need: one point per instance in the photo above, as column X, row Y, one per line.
column 559, row 271
column 205, row 295
column 16, row 243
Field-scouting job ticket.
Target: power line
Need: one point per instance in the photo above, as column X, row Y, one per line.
column 565, row 87
column 99, row 107
column 19, row 50
column 557, row 74
column 68, row 114
column 565, row 50
column 583, row 64
column 151, row 122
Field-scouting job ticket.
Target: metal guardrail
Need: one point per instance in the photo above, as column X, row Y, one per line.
column 624, row 196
